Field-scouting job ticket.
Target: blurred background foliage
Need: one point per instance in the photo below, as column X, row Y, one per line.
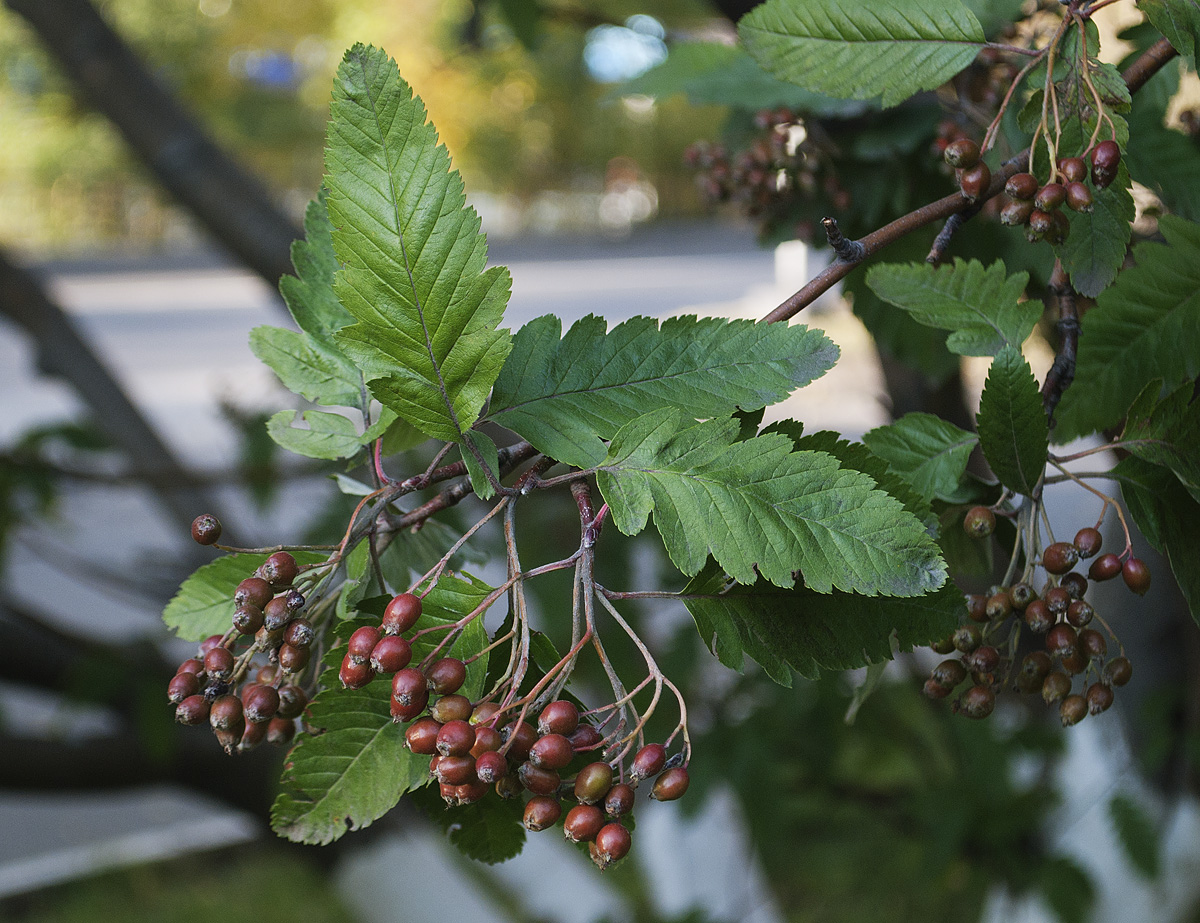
column 521, row 100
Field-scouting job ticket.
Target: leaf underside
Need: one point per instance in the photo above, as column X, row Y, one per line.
column 853, row 50
column 567, row 393
column 797, row 629
column 427, row 311
column 760, row 508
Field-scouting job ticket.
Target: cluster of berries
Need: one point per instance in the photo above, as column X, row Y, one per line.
column 987, row 642
column 474, row 749
column 275, row 642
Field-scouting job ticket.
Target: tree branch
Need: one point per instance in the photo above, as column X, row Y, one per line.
column 1145, row 67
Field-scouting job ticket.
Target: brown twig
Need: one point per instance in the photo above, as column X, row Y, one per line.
column 1062, row 372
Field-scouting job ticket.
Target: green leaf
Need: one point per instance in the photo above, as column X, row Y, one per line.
column 760, row 508
column 325, row 376
column 487, row 831
column 1137, row 834
column 309, row 362
column 1068, row 889
column 1167, row 432
column 482, row 443
column 1095, row 246
column 1144, row 327
column 713, row 73
column 927, row 451
column 980, row 305
column 1012, row 423
column 852, row 50
column 1161, row 158
column 857, row 456
column 1168, row 516
column 203, row 605
column 414, row 276
column 797, row 629
column 329, row 435
column 567, row 393
column 1178, row 21
column 355, row 767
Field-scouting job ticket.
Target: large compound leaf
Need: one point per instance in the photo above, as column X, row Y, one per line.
column 1013, row 431
column 1168, row 516
column 797, row 629
column 308, row 361
column 203, row 605
column 1146, row 326
column 414, row 258
column 760, row 508
column 1179, row 21
column 1167, row 432
column 980, row 305
column 567, row 393
column 355, row 767
column 854, row 50
column 1095, row 246
column 1161, row 158
column 929, row 452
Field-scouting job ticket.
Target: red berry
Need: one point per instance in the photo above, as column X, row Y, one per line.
column 976, row 612
column 354, row 676
column 648, row 761
column 446, row 676
column 1075, row 662
column 292, row 701
column 421, row 737
column 1050, row 197
column 206, row 529
column 1055, row 687
column 1057, row 600
column 390, row 654
column 983, row 659
column 279, row 570
column 584, row 737
column 519, row 739
column 293, row 659
column 192, row 710
column 559, row 717
column 1088, row 541
column 552, row 751
column 1015, row 214
column 226, row 714
column 409, row 688
column 277, row 614
column 1136, row 575
column 280, row 731
column 1021, row 186
column 974, row 181
column 963, row 153
column 967, row 638
column 670, row 785
column 1061, row 641
column 299, row 633
column 1105, row 567
column 247, row 619
column 252, row 590
column 1040, row 224
column 401, row 614
column 1073, row 169
column 541, row 812
column 934, row 690
column 977, row 702
column 1099, row 698
column 611, row 845
column 619, row 800
column 537, row 780
column 456, row 770
column 451, row 708
column 1060, row 557
column 999, row 606
column 209, row 643
column 181, row 686
column 261, row 703
column 218, row 663
column 362, row 642
column 191, row 665
column 487, row 740
column 1074, row 708
column 471, row 792
column 582, row 823
column 1117, row 672
column 253, row 736
column 491, row 767
column 1092, row 644
column 980, row 522
column 593, row 782
column 949, row 673
column 456, row 738
column 1106, row 157
column 1075, row 584
column 1079, row 198
column 1021, row 595
column 401, row 712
